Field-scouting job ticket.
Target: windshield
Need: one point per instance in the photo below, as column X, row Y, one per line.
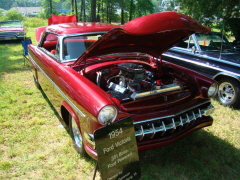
column 213, row 42
column 74, row 46
column 7, row 24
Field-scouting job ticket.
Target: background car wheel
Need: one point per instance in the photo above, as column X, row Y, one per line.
column 229, row 92
column 76, row 137
column 36, row 83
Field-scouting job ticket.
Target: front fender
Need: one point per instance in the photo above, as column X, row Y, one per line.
column 227, row 74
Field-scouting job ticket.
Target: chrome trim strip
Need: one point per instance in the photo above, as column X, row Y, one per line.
column 179, row 49
column 173, row 115
column 221, row 71
column 59, row 90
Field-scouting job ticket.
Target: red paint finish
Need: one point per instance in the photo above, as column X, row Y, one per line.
column 123, row 69
column 152, row 34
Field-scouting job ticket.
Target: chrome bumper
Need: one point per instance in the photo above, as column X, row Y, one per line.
column 161, row 125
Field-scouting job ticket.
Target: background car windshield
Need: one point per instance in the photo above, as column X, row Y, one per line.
column 73, row 47
column 7, row 24
column 213, row 42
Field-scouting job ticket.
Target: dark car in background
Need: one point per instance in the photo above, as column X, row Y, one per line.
column 12, row 30
column 236, row 44
column 212, row 55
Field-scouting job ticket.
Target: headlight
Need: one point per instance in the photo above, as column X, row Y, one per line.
column 107, row 114
column 212, row 91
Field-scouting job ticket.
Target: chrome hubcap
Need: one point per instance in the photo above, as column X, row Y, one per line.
column 226, row 92
column 76, row 134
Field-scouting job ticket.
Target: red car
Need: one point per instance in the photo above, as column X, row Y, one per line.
column 12, row 30
column 95, row 74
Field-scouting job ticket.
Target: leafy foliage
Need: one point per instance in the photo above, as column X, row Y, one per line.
column 214, row 12
column 7, row 4
column 13, row 15
column 49, row 8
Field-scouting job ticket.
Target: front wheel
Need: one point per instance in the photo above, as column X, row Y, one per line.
column 76, row 137
column 229, row 92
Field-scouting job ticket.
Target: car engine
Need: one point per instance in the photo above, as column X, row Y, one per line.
column 135, row 82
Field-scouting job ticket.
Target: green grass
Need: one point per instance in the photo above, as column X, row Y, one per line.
column 33, row 146
column 34, row 22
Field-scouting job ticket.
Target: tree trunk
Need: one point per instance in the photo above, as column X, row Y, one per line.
column 72, row 6
column 122, row 16
column 93, row 11
column 50, row 7
column 131, row 10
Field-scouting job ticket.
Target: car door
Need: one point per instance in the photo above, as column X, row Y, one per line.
column 47, row 65
column 188, row 54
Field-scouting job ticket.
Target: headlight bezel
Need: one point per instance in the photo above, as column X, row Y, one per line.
column 107, row 114
column 212, row 90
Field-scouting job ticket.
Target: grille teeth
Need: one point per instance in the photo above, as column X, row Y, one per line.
column 154, row 132
column 142, row 133
column 160, row 127
column 164, row 128
column 173, row 126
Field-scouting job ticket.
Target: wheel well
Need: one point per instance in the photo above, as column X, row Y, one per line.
column 65, row 115
column 225, row 76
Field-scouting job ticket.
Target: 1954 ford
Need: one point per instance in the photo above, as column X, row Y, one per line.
column 95, row 74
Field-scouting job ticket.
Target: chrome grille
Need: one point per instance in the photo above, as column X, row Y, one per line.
column 159, row 126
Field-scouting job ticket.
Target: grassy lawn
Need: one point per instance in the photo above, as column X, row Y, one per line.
column 33, row 145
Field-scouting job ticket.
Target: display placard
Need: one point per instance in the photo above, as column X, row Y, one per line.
column 117, row 151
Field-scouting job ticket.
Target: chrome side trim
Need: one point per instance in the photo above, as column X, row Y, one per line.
column 59, row 90
column 179, row 49
column 221, row 71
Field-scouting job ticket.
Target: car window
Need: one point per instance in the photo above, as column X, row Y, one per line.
column 73, row 47
column 50, row 43
column 187, row 43
column 213, row 42
column 8, row 24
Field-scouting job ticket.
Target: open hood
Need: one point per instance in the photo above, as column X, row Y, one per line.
column 152, row 34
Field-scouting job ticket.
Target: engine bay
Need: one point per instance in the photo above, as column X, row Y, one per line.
column 133, row 81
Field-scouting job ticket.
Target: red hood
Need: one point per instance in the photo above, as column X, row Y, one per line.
column 152, row 34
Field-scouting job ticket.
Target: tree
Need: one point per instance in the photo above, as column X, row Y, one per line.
column 6, row 4
column 218, row 13
column 208, row 12
column 49, row 7
column 144, row 7
column 25, row 3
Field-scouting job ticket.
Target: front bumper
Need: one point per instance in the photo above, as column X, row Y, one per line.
column 160, row 126
column 11, row 36
column 162, row 131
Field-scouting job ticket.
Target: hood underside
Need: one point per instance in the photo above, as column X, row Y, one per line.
column 152, row 34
